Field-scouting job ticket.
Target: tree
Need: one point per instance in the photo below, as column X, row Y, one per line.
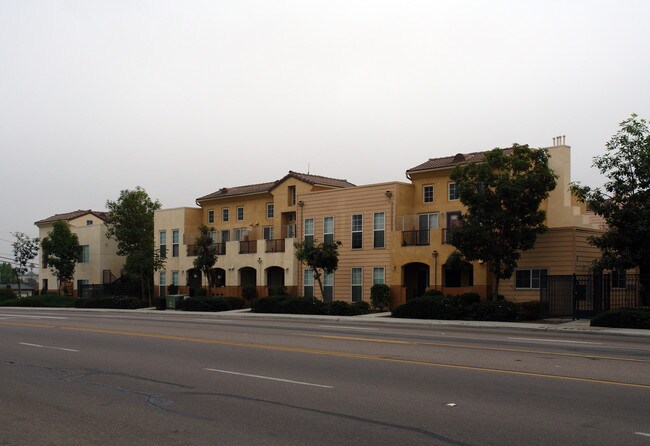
column 624, row 201
column 503, row 196
column 25, row 250
column 6, row 272
column 130, row 223
column 61, row 251
column 206, row 253
column 321, row 258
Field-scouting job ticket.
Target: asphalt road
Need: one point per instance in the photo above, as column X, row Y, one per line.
column 79, row 377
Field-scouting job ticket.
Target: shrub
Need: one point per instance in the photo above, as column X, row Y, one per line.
column 496, row 310
column 161, row 303
column 172, row 289
column 467, row 299
column 341, row 308
column 114, row 302
column 363, row 306
column 432, row 293
column 203, row 303
column 624, row 318
column 380, row 296
column 287, row 305
column 7, row 293
column 426, row 307
column 46, row 300
column 199, row 292
column 530, row 311
column 249, row 293
column 278, row 291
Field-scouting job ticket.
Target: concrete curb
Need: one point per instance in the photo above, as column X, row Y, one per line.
column 573, row 327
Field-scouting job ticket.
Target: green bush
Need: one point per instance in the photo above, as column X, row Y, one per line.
column 341, row 308
column 249, row 293
column 427, row 307
column 467, row 299
column 531, row 310
column 380, row 296
column 219, row 303
column 625, row 318
column 172, row 289
column 200, row 292
column 113, row 302
column 161, row 303
column 432, row 293
column 496, row 310
column 363, row 306
column 278, row 291
column 7, row 293
column 46, row 300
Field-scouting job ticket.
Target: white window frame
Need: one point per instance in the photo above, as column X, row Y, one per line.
column 176, row 236
column 424, row 193
column 84, row 254
column 309, row 230
column 449, row 186
column 240, row 213
column 308, row 282
column 267, row 232
column 175, row 278
column 270, row 211
column 429, row 215
column 531, row 278
column 376, row 229
column 328, row 237
column 379, row 275
column 162, row 243
column 225, row 215
column 210, row 216
column 357, row 229
column 328, row 286
column 354, row 285
column 239, row 234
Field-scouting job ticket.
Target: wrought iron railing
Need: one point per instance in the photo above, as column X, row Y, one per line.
column 275, row 245
column 247, row 246
column 415, row 238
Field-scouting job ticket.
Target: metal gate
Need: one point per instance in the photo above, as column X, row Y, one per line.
column 579, row 296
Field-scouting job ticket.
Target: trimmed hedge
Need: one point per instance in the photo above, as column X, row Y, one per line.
column 625, row 318
column 7, row 293
column 114, row 302
column 46, row 300
column 217, row 303
column 302, row 305
column 464, row 307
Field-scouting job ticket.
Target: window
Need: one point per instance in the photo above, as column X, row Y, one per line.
column 328, row 286
column 162, row 278
column 379, row 225
column 225, row 215
column 453, row 191
column 291, row 193
column 175, row 280
column 328, row 229
column 213, row 236
column 225, row 235
column 618, row 279
column 378, row 276
column 84, row 254
column 211, row 216
column 162, row 236
column 309, row 230
column 89, row 222
column 268, row 232
column 82, row 287
column 428, row 221
column 427, row 193
column 357, row 231
column 240, row 234
column 240, row 213
column 270, row 210
column 175, row 238
column 308, row 283
column 357, row 284
column 529, row 278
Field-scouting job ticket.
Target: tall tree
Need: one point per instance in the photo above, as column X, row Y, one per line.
column 502, row 195
column 321, row 258
column 624, row 200
column 25, row 250
column 6, row 272
column 206, row 253
column 130, row 223
column 61, row 251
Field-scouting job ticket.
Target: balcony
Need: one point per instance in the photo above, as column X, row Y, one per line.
column 192, row 251
column 418, row 237
column 248, row 246
column 275, row 245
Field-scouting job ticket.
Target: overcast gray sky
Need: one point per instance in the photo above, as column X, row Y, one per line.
column 185, row 97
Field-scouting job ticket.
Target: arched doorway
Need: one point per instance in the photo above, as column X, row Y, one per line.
column 275, row 277
column 247, row 277
column 457, row 275
column 194, row 279
column 415, row 279
column 217, row 277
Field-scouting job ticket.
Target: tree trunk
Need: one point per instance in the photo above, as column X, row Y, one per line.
column 18, row 283
column 320, row 284
column 644, row 281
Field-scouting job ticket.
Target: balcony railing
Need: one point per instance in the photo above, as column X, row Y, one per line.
column 192, row 251
column 247, row 246
column 288, row 231
column 415, row 238
column 275, row 245
column 446, row 235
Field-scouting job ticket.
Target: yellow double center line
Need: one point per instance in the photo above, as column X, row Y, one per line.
column 327, row 353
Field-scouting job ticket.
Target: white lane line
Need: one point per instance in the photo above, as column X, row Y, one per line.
column 348, row 328
column 556, row 340
column 31, row 317
column 642, row 434
column 270, row 378
column 44, row 346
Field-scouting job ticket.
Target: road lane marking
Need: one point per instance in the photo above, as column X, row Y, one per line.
column 349, row 328
column 475, row 347
column 52, row 348
column 270, row 378
column 329, row 353
column 31, row 317
column 642, row 433
column 556, row 340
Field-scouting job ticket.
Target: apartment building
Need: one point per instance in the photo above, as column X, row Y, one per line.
column 253, row 227
column 98, row 260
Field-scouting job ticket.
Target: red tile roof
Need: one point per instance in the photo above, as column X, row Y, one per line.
column 451, row 161
column 72, row 215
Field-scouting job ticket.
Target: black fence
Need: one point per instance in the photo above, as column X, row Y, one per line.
column 579, row 296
